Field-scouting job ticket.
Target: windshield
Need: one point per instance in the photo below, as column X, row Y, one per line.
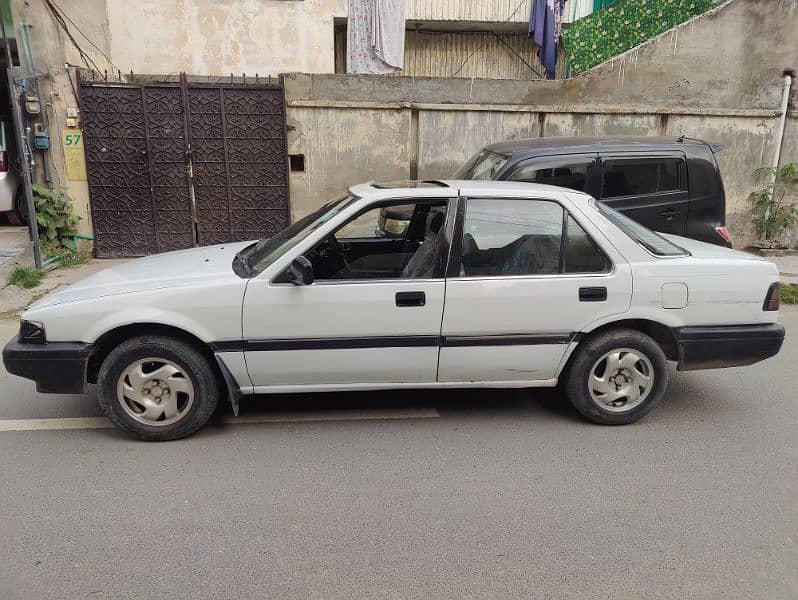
column 653, row 242
column 483, row 166
column 263, row 253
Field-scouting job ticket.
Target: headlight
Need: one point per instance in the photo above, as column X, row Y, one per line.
column 31, row 332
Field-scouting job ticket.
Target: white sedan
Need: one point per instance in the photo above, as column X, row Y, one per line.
column 484, row 284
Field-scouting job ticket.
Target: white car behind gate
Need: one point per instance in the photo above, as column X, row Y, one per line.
column 488, row 284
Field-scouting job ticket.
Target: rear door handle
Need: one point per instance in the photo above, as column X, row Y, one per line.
column 669, row 213
column 411, row 299
column 592, row 294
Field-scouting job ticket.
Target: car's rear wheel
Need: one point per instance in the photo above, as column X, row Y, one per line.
column 616, row 377
column 157, row 388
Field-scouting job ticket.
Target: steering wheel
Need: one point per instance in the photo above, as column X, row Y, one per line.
column 329, row 259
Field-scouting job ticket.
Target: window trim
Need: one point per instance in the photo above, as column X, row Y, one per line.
column 456, row 248
column 451, row 205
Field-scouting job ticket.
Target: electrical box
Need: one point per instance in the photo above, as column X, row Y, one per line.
column 32, row 105
column 41, row 139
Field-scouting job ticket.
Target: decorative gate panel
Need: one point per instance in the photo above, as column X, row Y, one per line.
column 173, row 165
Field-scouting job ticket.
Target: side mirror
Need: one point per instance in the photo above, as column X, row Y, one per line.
column 300, row 272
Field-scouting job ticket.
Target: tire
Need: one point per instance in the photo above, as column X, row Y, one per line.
column 157, row 388
column 609, row 398
column 19, row 214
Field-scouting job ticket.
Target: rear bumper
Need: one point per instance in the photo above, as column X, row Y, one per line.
column 56, row 367
column 715, row 347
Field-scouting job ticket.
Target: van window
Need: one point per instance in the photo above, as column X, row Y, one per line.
column 564, row 173
column 640, row 176
column 483, row 166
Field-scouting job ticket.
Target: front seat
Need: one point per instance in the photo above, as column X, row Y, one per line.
column 422, row 263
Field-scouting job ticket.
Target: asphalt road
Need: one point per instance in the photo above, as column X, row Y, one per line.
column 476, row 494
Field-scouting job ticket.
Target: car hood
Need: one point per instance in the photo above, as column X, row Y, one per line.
column 167, row 270
column 705, row 250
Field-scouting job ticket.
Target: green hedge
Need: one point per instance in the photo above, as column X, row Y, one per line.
column 617, row 28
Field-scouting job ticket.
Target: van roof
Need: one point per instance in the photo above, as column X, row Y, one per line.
column 545, row 145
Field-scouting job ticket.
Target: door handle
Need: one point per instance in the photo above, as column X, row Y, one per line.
column 411, row 299
column 592, row 294
column 669, row 213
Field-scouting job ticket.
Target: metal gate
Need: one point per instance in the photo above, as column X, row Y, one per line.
column 176, row 164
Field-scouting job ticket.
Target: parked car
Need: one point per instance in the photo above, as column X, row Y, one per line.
column 12, row 201
column 670, row 185
column 536, row 282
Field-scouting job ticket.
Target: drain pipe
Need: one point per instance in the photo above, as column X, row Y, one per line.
column 788, row 74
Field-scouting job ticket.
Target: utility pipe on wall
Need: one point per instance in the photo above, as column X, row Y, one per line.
column 782, row 124
column 785, row 100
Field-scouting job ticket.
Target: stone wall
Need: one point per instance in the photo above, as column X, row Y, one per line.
column 717, row 78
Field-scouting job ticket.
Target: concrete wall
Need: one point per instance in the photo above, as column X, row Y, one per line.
column 708, row 80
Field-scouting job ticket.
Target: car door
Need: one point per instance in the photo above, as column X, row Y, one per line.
column 374, row 320
column 651, row 189
column 574, row 171
column 525, row 277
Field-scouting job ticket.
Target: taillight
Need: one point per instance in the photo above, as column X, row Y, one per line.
column 773, row 297
column 3, row 161
column 724, row 233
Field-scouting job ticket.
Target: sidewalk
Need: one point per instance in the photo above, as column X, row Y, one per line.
column 14, row 299
column 788, row 267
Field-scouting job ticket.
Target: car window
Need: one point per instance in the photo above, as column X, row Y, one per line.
column 511, row 237
column 406, row 241
column 483, row 166
column 581, row 254
column 639, row 176
column 571, row 175
column 653, row 242
column 383, row 222
column 260, row 255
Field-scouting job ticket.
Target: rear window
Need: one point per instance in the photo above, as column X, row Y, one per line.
column 640, row 176
column 482, row 167
column 651, row 241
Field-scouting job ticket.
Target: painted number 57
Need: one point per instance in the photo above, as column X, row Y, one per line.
column 72, row 139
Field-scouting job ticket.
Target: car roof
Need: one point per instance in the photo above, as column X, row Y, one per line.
column 550, row 145
column 453, row 187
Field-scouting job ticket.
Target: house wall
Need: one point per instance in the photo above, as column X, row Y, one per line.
column 679, row 84
column 356, row 128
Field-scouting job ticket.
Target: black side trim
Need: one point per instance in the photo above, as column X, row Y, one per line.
column 56, row 367
column 227, row 346
column 506, row 340
column 713, row 347
column 342, row 343
column 411, row 341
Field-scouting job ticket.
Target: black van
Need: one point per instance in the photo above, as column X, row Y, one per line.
column 668, row 184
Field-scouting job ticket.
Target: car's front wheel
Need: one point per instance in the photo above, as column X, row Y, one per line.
column 157, row 388
column 616, row 377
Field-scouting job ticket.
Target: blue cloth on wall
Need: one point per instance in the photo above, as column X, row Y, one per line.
column 544, row 29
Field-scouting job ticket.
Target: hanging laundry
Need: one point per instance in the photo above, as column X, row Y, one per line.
column 599, row 4
column 545, row 20
column 577, row 9
column 375, row 42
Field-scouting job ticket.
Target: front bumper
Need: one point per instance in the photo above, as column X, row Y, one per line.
column 56, row 367
column 715, row 347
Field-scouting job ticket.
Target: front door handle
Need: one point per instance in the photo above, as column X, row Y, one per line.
column 411, row 299
column 592, row 294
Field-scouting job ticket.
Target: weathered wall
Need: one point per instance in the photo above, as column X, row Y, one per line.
column 708, row 80
column 209, row 37
column 50, row 54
